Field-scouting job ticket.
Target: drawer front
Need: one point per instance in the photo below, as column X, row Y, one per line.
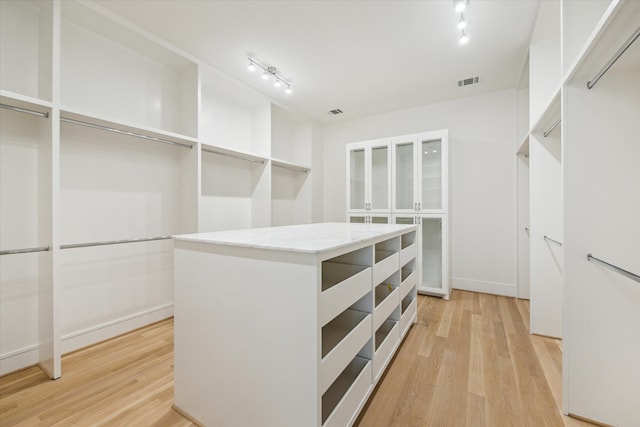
column 408, row 284
column 384, row 353
column 339, row 357
column 382, row 311
column 408, row 317
column 408, row 253
column 385, row 268
column 336, row 299
column 350, row 405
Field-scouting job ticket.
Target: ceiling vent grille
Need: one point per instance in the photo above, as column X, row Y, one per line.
column 335, row 112
column 468, row 81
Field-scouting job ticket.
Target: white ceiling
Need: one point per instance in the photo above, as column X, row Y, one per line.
column 364, row 57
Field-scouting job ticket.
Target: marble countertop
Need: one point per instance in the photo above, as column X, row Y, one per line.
column 306, row 238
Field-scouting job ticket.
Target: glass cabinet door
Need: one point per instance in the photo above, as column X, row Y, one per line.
column 380, row 219
column 380, row 178
column 431, row 252
column 357, row 219
column 405, row 220
column 357, row 179
column 431, row 171
column 404, row 176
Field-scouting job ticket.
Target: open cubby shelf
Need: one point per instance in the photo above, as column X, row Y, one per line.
column 334, row 273
column 382, row 332
column 334, row 394
column 382, row 292
column 337, row 329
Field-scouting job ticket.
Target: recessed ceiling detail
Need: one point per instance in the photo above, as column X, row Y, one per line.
column 335, row 112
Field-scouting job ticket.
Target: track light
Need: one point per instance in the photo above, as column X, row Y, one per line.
column 268, row 72
column 460, row 5
column 464, row 38
column 462, row 24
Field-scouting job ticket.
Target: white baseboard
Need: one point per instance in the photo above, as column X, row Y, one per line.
column 113, row 328
column 495, row 288
column 29, row 356
column 19, row 359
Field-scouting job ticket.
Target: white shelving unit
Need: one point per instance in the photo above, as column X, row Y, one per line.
column 582, row 145
column 404, row 180
column 331, row 314
column 140, row 141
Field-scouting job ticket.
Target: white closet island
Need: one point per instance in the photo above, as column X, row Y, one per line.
column 289, row 326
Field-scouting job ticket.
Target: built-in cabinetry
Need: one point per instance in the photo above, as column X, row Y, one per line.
column 313, row 317
column 583, row 144
column 404, row 180
column 112, row 141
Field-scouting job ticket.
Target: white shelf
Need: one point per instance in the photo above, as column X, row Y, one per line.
column 237, row 154
column 549, row 115
column 290, row 166
column 523, row 147
column 342, row 386
column 110, row 122
column 24, row 101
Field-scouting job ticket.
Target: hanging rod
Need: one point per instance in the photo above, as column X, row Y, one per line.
column 124, row 132
column 24, row 110
column 233, row 156
column 615, row 267
column 551, row 240
column 25, row 250
column 113, row 242
column 290, row 167
column 591, row 83
column 548, row 132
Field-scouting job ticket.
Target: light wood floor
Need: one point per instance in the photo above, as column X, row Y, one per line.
column 467, row 362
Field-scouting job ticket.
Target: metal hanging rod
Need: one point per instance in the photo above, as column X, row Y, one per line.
column 591, row 83
column 113, row 242
column 615, row 268
column 25, row 250
column 24, row 110
column 548, row 132
column 291, row 167
column 233, row 156
column 124, row 132
column 551, row 240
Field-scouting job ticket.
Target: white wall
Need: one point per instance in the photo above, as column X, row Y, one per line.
column 482, row 130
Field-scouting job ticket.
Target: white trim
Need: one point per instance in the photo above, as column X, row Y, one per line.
column 113, row 328
column 495, row 288
column 19, row 359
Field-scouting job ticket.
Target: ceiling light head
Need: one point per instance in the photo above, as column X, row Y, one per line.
column 265, row 75
column 464, row 38
column 288, row 90
column 462, row 24
column 460, row 5
column 252, row 66
column 277, row 83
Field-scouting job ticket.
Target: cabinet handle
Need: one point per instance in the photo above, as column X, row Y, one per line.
column 419, row 205
column 415, row 206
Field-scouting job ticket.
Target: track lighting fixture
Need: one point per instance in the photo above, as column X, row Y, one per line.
column 268, row 72
column 460, row 6
column 462, row 24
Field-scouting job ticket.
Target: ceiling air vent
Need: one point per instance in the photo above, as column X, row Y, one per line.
column 468, row 81
column 335, row 112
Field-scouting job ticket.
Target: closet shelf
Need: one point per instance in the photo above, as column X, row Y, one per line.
column 523, row 147
column 23, row 101
column 291, row 166
column 127, row 128
column 236, row 154
column 550, row 115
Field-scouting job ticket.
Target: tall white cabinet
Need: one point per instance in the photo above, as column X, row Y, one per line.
column 404, row 180
column 583, row 146
column 111, row 141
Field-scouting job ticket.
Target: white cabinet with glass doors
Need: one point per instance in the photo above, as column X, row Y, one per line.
column 369, row 186
column 433, row 252
column 419, row 173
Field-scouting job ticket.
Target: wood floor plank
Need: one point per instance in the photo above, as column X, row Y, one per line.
column 468, row 362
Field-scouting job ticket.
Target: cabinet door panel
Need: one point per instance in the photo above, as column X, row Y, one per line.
column 380, row 178
column 404, row 176
column 357, row 188
column 431, row 237
column 431, row 182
